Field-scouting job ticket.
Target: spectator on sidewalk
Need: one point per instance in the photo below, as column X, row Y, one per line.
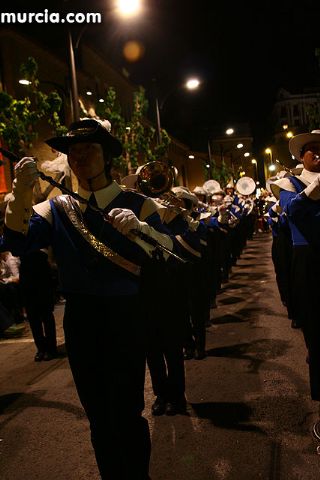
column 11, row 311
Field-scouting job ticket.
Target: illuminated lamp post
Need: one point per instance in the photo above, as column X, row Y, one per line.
column 254, row 162
column 124, row 8
column 190, row 84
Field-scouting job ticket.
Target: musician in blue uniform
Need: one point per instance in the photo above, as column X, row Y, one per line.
column 99, row 265
column 300, row 199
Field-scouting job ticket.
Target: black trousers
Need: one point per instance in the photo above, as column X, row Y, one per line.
column 43, row 326
column 166, row 366
column 306, row 305
column 106, row 348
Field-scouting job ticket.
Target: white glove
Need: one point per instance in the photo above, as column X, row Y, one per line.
column 26, row 174
column 223, row 214
column 19, row 207
column 124, row 220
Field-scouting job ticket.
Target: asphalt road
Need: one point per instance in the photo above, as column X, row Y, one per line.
column 249, row 413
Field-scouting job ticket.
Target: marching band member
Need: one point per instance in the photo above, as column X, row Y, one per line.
column 300, row 199
column 99, row 265
column 194, row 243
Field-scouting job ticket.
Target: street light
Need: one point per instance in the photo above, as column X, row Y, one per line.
column 24, row 81
column 128, row 8
column 190, row 84
column 125, row 8
column 229, row 131
column 254, row 162
column 268, row 151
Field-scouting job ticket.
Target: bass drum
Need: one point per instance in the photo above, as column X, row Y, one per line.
column 245, row 185
column 211, row 187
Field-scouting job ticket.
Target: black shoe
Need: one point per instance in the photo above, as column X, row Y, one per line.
column 159, row 407
column 200, row 355
column 39, row 356
column 188, row 354
column 175, row 408
column 47, row 356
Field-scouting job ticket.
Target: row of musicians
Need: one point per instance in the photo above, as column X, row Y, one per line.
column 211, row 240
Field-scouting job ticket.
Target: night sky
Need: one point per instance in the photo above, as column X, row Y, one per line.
column 243, row 52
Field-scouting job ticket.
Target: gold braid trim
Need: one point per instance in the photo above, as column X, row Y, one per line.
column 74, row 214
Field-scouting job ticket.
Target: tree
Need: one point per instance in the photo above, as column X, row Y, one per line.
column 19, row 118
column 220, row 174
column 137, row 135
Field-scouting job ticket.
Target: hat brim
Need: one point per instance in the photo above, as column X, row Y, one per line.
column 130, row 181
column 104, row 138
column 296, row 143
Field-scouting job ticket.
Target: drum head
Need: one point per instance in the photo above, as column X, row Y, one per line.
column 245, row 185
column 211, row 186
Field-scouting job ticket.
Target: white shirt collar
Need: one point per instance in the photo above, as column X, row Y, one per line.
column 307, row 177
column 103, row 197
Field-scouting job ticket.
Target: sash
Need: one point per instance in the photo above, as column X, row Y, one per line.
column 68, row 206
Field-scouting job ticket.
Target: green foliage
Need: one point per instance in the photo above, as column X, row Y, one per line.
column 225, row 174
column 313, row 116
column 220, row 174
column 138, row 138
column 19, row 118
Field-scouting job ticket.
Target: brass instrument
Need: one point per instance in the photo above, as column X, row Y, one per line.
column 155, row 178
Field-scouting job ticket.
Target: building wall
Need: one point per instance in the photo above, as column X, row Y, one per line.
column 291, row 110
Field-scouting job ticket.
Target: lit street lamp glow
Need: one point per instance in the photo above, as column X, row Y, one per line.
column 192, row 83
column 24, row 81
column 240, row 145
column 255, row 164
column 191, row 157
column 289, row 134
column 229, row 131
column 247, row 154
column 272, row 167
column 128, row 8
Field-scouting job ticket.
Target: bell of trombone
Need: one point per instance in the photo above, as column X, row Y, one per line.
column 155, row 178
